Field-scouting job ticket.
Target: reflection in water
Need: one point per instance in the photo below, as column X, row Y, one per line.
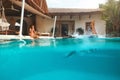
column 41, row 42
column 22, row 43
column 5, row 41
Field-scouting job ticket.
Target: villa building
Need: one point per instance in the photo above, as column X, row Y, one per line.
column 70, row 19
column 12, row 13
column 65, row 20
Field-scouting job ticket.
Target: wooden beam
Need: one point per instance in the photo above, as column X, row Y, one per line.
column 30, row 9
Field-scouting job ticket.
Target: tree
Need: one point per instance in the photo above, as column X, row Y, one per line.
column 80, row 31
column 111, row 14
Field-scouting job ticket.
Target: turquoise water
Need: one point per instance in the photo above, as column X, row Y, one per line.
column 60, row 59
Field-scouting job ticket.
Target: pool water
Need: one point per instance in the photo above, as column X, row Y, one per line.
column 60, row 59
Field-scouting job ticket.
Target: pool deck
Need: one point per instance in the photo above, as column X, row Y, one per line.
column 7, row 37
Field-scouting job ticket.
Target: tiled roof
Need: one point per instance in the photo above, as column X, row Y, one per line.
column 72, row 10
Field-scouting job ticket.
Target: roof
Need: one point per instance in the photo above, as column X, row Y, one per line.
column 33, row 6
column 72, row 10
column 40, row 5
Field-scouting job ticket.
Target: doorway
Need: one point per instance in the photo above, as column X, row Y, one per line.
column 88, row 29
column 64, row 29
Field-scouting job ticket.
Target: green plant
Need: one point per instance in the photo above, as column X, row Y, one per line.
column 80, row 31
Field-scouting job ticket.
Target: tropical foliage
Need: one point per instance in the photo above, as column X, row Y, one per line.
column 111, row 14
column 80, row 31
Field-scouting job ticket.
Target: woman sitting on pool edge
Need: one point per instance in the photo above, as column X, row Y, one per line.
column 32, row 32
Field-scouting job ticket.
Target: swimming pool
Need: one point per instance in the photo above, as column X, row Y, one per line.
column 60, row 59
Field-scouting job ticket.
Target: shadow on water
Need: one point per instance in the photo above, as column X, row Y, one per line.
column 74, row 52
column 71, row 54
